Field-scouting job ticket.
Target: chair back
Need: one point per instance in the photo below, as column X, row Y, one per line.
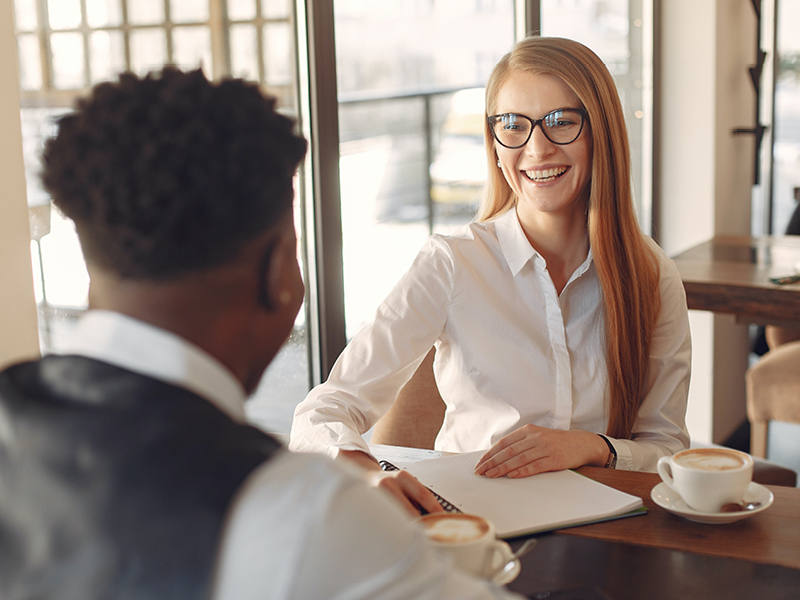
column 416, row 416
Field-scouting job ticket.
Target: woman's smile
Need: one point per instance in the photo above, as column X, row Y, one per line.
column 548, row 175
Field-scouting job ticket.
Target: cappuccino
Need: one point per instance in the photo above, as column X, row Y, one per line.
column 707, row 478
column 454, row 528
column 710, row 459
column 468, row 539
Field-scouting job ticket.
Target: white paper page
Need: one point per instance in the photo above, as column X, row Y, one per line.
column 516, row 506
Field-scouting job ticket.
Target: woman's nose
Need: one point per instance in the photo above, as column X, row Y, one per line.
column 538, row 144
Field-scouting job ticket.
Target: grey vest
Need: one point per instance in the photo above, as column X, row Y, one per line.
column 113, row 485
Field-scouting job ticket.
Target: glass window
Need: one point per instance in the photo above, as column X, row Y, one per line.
column 241, row 10
column 260, row 49
column 148, row 49
column 64, row 14
column 25, row 17
column 189, row 11
column 191, row 48
column 277, row 57
column 244, row 51
column 30, row 62
column 146, row 12
column 68, row 61
column 412, row 158
column 615, row 30
column 786, row 149
column 107, row 54
column 276, row 9
column 103, row 13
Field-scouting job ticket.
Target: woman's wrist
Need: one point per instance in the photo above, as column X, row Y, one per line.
column 611, row 461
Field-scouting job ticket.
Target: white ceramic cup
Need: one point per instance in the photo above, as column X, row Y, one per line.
column 469, row 539
column 707, row 478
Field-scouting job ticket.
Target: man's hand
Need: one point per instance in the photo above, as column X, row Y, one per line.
column 405, row 488
column 532, row 449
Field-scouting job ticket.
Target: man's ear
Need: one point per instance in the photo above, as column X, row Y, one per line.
column 273, row 293
column 268, row 275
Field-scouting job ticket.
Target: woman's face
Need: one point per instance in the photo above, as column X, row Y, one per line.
column 546, row 177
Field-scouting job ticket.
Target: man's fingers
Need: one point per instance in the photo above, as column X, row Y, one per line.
column 418, row 492
column 408, row 491
column 398, row 495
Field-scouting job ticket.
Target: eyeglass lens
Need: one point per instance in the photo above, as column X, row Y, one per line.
column 561, row 126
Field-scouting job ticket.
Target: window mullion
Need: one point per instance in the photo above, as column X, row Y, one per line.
column 218, row 25
column 44, row 45
column 320, row 120
column 168, row 32
column 87, row 69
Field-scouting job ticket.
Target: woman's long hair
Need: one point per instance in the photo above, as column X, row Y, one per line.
column 625, row 264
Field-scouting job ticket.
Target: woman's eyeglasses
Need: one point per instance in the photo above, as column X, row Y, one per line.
column 562, row 126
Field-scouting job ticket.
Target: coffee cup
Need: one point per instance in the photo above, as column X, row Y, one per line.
column 469, row 539
column 707, row 478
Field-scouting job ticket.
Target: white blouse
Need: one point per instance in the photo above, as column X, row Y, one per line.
column 509, row 351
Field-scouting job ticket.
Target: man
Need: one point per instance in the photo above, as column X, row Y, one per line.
column 126, row 469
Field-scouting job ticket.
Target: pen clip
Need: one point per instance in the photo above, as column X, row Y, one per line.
column 785, row 280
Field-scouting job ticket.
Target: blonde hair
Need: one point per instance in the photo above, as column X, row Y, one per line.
column 625, row 264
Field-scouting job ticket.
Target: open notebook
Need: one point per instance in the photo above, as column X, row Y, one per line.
column 522, row 506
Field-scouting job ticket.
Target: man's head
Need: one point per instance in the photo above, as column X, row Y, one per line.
column 171, row 174
column 181, row 192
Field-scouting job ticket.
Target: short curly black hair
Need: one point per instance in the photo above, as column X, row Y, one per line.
column 171, row 173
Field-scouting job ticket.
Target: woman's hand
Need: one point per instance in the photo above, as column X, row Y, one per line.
column 532, row 449
column 405, row 488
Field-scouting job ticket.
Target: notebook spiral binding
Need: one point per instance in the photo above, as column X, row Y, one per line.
column 449, row 507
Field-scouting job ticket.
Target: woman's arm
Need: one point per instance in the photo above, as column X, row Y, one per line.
column 370, row 373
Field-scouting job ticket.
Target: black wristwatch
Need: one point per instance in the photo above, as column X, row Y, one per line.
column 611, row 463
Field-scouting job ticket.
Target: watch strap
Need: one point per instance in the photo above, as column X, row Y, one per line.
column 611, row 463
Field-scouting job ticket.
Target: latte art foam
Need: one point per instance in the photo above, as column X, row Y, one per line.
column 710, row 459
column 454, row 529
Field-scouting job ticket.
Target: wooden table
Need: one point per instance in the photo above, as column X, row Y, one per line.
column 770, row 537
column 659, row 555
column 730, row 274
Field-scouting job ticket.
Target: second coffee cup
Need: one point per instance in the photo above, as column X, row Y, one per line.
column 469, row 539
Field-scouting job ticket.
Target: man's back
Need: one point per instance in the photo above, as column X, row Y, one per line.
column 115, row 477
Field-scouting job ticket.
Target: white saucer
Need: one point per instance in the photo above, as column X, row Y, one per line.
column 506, row 577
column 670, row 500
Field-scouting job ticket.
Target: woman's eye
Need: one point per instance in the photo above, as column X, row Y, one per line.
column 560, row 122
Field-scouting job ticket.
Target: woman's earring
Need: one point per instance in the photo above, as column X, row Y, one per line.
column 498, row 163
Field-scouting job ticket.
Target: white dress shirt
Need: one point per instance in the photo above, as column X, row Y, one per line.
column 301, row 527
column 509, row 351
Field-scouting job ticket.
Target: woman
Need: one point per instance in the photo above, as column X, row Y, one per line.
column 555, row 320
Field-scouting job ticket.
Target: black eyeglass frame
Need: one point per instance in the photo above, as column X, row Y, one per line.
column 534, row 122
